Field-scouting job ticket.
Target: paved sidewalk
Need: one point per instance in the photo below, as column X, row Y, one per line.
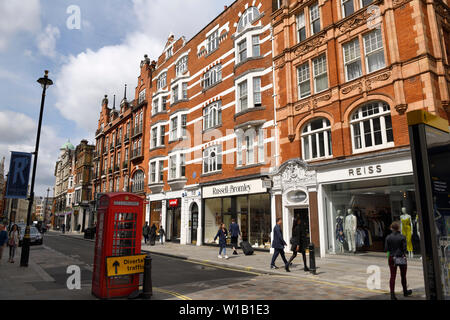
column 33, row 282
column 346, row 271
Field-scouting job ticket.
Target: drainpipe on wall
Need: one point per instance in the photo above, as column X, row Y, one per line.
column 275, row 125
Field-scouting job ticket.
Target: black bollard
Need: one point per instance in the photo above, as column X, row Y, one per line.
column 147, row 290
column 312, row 259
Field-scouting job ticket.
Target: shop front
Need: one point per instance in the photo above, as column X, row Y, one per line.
column 248, row 202
column 294, row 191
column 359, row 199
column 155, row 213
column 173, row 220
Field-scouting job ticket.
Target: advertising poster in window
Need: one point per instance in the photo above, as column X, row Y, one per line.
column 438, row 144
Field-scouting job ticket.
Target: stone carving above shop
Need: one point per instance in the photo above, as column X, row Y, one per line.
column 293, row 174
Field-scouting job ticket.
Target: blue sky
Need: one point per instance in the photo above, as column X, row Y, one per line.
column 86, row 63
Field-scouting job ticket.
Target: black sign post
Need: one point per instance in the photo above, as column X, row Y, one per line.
column 430, row 148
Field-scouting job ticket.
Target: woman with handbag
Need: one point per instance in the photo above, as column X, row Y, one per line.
column 13, row 242
column 396, row 251
column 298, row 242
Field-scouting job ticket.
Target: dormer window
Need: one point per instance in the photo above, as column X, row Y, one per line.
column 142, row 96
column 250, row 15
column 213, row 41
column 181, row 66
column 169, row 53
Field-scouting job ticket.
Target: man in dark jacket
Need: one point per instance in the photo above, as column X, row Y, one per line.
column 145, row 232
column 278, row 244
column 235, row 233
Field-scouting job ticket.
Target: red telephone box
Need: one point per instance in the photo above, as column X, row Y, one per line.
column 119, row 234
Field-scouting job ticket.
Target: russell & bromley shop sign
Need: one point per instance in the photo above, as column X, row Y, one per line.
column 232, row 189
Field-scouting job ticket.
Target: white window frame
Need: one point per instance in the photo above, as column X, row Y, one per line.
column 377, row 51
column 301, row 24
column 356, row 47
column 212, row 76
column 242, row 50
column 248, row 18
column 311, row 12
column 308, row 136
column 344, row 15
column 180, row 131
column 142, row 96
column 212, row 42
column 181, row 66
column 323, row 72
column 175, row 94
column 162, row 81
column 358, row 118
column 212, row 115
column 212, row 165
column 303, row 70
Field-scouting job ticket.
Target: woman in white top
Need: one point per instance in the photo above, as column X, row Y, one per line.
column 13, row 242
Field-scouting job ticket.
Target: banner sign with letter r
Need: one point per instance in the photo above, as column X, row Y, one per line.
column 18, row 176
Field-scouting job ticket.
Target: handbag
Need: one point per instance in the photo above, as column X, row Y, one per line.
column 292, row 241
column 400, row 261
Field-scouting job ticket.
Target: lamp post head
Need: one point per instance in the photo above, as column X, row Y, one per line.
column 45, row 81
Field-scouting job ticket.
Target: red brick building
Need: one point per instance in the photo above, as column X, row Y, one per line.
column 211, row 129
column 346, row 74
column 121, row 141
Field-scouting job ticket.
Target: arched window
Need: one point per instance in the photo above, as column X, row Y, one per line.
column 137, row 184
column 212, row 159
column 212, row 115
column 371, row 127
column 249, row 16
column 316, row 139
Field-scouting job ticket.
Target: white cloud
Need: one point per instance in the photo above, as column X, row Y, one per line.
column 83, row 81
column 18, row 16
column 46, row 41
column 21, row 138
column 85, row 78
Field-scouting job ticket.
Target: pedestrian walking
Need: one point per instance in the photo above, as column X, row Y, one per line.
column 145, row 232
column 235, row 233
column 3, row 240
column 299, row 242
column 63, row 228
column 396, row 252
column 152, row 235
column 222, row 234
column 13, row 242
column 161, row 234
column 278, row 244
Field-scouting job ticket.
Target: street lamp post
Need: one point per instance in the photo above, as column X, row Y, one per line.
column 25, row 255
column 45, row 209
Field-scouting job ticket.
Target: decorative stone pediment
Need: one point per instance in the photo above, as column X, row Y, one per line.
column 293, row 174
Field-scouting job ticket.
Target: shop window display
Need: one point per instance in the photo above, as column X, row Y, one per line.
column 358, row 214
column 252, row 213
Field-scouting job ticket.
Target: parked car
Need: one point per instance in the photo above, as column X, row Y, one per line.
column 35, row 236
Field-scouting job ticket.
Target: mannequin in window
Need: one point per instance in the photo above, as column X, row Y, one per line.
column 350, row 230
column 340, row 238
column 406, row 229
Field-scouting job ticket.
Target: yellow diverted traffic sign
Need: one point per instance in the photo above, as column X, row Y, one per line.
column 120, row 266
